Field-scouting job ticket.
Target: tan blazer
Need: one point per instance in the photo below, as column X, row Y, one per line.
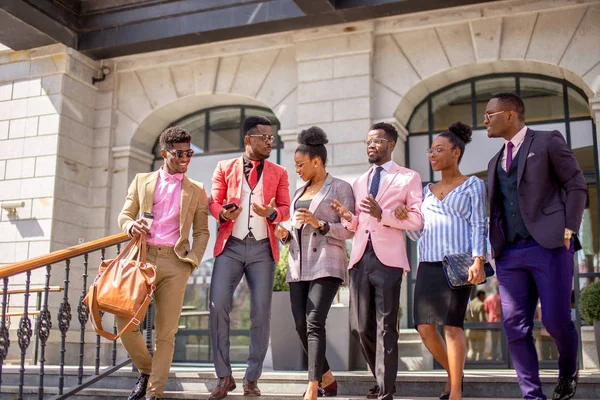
column 194, row 213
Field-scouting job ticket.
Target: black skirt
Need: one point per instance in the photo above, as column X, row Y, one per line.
column 435, row 302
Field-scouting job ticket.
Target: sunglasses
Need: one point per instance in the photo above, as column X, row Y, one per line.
column 179, row 153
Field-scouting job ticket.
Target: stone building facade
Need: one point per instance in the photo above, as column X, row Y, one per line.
column 70, row 148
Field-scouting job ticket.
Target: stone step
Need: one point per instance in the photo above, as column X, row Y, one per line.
column 200, row 381
column 30, row 393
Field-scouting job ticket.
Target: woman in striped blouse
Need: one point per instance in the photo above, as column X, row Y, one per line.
column 454, row 217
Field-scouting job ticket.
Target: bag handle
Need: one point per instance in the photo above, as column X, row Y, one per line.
column 97, row 319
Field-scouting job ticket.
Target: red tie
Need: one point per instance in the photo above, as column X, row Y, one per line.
column 509, row 149
column 253, row 176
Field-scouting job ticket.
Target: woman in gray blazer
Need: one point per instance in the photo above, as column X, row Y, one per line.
column 317, row 258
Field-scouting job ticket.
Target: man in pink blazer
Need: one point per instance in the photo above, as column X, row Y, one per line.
column 378, row 258
column 249, row 196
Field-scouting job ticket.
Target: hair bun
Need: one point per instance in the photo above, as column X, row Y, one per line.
column 462, row 131
column 313, row 136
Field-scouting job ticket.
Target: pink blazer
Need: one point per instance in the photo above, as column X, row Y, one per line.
column 226, row 188
column 400, row 186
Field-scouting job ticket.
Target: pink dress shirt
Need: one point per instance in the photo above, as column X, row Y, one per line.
column 166, row 209
column 517, row 141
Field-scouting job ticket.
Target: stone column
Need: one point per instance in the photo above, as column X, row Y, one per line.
column 334, row 91
column 127, row 162
column 595, row 108
column 288, row 137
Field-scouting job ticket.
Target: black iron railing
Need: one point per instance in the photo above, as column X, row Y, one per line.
column 58, row 300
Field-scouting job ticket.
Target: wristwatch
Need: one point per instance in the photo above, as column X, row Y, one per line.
column 479, row 257
column 568, row 234
column 323, row 227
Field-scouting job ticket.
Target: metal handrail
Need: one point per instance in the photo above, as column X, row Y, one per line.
column 61, row 255
column 42, row 318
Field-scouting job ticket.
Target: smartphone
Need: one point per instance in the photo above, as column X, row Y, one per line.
column 148, row 218
column 230, row 206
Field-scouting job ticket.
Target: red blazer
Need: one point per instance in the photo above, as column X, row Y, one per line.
column 226, row 187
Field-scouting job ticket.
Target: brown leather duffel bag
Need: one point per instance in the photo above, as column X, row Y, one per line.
column 123, row 287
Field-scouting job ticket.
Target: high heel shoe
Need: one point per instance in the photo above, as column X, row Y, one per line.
column 331, row 389
column 320, row 392
column 446, row 396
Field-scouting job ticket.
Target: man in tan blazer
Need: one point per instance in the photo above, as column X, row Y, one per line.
column 178, row 205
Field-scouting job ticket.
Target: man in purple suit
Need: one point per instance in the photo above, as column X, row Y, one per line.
column 537, row 197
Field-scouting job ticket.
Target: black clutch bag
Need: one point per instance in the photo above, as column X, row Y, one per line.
column 456, row 269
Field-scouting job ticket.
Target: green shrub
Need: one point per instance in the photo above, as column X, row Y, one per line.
column 279, row 284
column 589, row 303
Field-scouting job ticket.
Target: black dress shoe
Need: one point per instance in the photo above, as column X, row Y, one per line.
column 139, row 390
column 566, row 387
column 374, row 392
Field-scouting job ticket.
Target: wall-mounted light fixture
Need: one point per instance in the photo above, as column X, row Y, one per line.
column 11, row 207
column 101, row 75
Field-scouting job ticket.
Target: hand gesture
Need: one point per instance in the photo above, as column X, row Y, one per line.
column 306, row 217
column 401, row 212
column 281, row 233
column 341, row 210
column 231, row 214
column 476, row 272
column 138, row 228
column 371, row 207
column 264, row 210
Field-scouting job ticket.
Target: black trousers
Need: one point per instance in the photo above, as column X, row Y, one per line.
column 374, row 304
column 311, row 301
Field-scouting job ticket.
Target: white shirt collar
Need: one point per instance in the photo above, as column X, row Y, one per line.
column 386, row 166
column 518, row 138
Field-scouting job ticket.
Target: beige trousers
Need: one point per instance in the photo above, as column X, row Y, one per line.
column 171, row 280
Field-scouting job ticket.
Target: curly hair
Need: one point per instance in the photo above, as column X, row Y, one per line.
column 390, row 132
column 312, row 141
column 251, row 122
column 459, row 135
column 173, row 134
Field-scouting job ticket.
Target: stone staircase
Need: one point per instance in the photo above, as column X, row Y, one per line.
column 197, row 382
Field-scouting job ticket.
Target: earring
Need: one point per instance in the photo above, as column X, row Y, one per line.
column 315, row 165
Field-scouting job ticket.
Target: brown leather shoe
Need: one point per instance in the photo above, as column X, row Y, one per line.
column 251, row 388
column 224, row 386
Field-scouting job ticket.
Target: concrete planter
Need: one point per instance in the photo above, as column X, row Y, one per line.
column 597, row 335
column 343, row 352
column 286, row 349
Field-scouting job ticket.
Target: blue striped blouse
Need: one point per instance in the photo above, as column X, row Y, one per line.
column 456, row 224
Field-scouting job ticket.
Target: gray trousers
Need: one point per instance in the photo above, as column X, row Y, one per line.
column 254, row 260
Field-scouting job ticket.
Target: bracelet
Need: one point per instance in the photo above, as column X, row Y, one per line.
column 479, row 257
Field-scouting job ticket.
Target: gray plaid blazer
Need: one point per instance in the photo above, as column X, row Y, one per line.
column 321, row 255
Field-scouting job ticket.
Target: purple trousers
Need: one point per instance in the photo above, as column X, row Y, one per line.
column 527, row 271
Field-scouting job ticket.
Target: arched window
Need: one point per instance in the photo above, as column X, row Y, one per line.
column 550, row 104
column 218, row 130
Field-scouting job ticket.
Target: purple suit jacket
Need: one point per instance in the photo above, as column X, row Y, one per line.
column 552, row 191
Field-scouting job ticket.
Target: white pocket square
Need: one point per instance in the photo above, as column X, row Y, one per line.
column 530, row 155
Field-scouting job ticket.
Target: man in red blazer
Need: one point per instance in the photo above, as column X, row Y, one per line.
column 378, row 258
column 249, row 196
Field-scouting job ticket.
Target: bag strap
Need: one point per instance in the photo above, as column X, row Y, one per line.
column 97, row 319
